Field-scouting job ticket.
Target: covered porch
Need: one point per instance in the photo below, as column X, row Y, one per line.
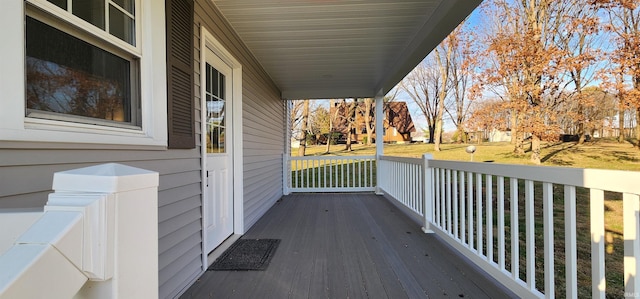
column 349, row 246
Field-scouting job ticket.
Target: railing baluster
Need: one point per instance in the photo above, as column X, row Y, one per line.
column 353, row 173
column 463, row 215
column 443, row 195
column 489, row 192
column 599, row 283
column 515, row 236
column 308, row 170
column 631, row 220
column 547, row 212
column 470, row 208
column 314, row 174
column 479, row 238
column 449, row 210
column 571, row 246
column 436, row 197
column 500, row 211
column 530, row 235
column 454, row 198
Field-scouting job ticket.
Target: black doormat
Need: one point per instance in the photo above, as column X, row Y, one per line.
column 246, row 254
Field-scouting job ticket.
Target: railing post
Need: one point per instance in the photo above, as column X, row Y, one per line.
column 427, row 186
column 379, row 139
column 130, row 222
column 286, row 174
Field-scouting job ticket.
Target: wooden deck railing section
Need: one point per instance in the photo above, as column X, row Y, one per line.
column 502, row 218
column 97, row 238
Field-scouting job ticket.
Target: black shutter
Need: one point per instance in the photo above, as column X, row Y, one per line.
column 180, row 85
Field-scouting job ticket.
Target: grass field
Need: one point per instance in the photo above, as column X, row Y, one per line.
column 601, row 154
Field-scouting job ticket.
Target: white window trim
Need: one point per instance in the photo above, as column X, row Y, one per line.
column 151, row 45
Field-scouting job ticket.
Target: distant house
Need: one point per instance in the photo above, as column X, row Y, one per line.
column 496, row 135
column 397, row 124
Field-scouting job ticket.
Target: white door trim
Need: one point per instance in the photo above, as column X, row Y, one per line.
column 207, row 40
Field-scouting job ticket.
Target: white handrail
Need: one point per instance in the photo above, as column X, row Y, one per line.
column 461, row 198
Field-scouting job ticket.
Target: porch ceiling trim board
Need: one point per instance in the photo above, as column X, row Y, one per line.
column 342, row 48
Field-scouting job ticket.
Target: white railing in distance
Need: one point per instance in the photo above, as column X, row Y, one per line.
column 331, row 174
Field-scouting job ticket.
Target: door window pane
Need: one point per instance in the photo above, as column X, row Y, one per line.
column 216, row 106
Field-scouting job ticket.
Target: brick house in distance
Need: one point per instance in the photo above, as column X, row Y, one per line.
column 397, row 122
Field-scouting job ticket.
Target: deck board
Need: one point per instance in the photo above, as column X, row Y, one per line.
column 348, row 246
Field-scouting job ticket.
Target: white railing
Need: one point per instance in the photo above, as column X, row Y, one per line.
column 97, row 238
column 330, row 174
column 403, row 180
column 481, row 208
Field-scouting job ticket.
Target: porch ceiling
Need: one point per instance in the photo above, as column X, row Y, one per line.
column 319, row 49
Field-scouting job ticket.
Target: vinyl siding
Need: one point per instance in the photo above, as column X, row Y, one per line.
column 26, row 172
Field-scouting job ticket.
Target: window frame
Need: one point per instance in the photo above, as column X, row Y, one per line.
column 150, row 77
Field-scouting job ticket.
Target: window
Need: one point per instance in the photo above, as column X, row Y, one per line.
column 83, row 72
column 76, row 77
column 215, row 96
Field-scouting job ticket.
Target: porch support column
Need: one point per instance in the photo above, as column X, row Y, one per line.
column 379, row 110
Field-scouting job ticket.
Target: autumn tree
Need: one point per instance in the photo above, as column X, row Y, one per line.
column 528, row 66
column 423, row 86
column 489, row 115
column 579, row 40
column 624, row 24
column 462, row 61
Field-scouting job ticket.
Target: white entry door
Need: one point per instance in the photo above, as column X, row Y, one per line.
column 218, row 193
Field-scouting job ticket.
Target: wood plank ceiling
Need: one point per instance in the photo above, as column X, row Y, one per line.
column 320, row 49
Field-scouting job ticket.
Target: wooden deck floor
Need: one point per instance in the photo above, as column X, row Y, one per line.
column 348, row 246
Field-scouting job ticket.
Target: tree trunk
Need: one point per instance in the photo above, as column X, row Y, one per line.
column 367, row 120
column 438, row 132
column 349, row 135
column 332, row 118
column 581, row 128
column 581, row 133
column 517, row 137
column 621, row 123
column 514, row 124
column 535, row 149
column 432, row 129
column 638, row 128
column 303, row 134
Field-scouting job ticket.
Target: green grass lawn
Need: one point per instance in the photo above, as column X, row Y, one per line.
column 601, row 154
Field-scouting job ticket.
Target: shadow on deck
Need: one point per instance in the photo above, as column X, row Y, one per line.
column 348, row 246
